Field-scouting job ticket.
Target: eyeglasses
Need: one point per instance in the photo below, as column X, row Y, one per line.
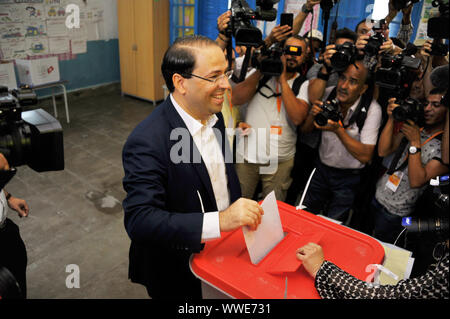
column 227, row 75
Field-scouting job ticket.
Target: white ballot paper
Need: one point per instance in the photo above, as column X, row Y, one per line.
column 268, row 234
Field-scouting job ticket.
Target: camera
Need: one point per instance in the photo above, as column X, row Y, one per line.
column 437, row 27
column 32, row 138
column 397, row 73
column 438, row 49
column 373, row 44
column 410, row 109
column 241, row 27
column 401, row 4
column 439, row 224
column 268, row 61
column 330, row 111
column 344, row 56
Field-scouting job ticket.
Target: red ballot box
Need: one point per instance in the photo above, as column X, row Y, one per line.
column 225, row 263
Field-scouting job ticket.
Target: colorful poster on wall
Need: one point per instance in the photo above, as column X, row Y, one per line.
column 428, row 11
column 10, row 13
column 36, row 46
column 12, row 30
column 32, row 11
column 11, row 49
column 35, row 28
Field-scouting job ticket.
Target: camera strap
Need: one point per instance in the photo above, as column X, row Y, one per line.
column 404, row 142
column 360, row 113
column 295, row 86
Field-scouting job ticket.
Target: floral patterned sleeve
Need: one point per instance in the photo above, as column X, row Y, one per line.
column 334, row 283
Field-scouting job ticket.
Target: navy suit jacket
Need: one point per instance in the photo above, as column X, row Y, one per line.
column 163, row 212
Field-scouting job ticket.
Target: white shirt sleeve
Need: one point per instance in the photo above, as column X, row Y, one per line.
column 303, row 93
column 211, row 226
column 370, row 130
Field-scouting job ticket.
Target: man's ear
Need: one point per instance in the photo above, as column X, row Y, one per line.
column 179, row 83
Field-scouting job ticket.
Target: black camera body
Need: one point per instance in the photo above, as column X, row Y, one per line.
column 401, row 4
column 437, row 27
column 32, row 138
column 241, row 27
column 344, row 56
column 438, row 49
column 373, row 44
column 397, row 73
column 410, row 109
column 330, row 111
column 268, row 60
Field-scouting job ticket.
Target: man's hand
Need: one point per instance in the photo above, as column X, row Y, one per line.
column 243, row 212
column 316, row 108
column 387, row 47
column 278, row 34
column 3, row 163
column 331, row 126
column 311, row 3
column 19, row 205
column 361, row 43
column 412, row 133
column 391, row 106
column 426, row 49
column 223, row 20
column 330, row 50
column 282, row 76
column 312, row 257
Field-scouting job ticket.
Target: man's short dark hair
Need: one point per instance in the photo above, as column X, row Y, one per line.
column 179, row 57
column 299, row 37
column 440, row 91
column 346, row 33
column 359, row 23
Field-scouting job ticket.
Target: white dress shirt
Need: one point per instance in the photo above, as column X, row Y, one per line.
column 333, row 152
column 211, row 152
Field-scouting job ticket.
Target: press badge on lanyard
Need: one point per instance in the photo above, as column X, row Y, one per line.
column 276, row 127
column 394, row 180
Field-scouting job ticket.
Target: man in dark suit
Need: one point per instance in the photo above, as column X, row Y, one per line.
column 177, row 201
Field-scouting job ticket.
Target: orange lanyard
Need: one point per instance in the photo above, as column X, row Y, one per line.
column 428, row 139
column 278, row 101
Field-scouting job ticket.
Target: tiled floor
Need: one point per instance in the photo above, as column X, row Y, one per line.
column 76, row 215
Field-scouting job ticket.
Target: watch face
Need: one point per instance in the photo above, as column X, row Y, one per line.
column 413, row 149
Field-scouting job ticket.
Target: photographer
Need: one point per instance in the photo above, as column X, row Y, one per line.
column 322, row 76
column 349, row 133
column 274, row 107
column 13, row 255
column 398, row 189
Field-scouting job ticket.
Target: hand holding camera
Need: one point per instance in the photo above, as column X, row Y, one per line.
column 327, row 115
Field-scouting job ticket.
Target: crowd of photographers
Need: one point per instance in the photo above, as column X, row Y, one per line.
column 366, row 116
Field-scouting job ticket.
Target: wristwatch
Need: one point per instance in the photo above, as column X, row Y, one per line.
column 413, row 150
